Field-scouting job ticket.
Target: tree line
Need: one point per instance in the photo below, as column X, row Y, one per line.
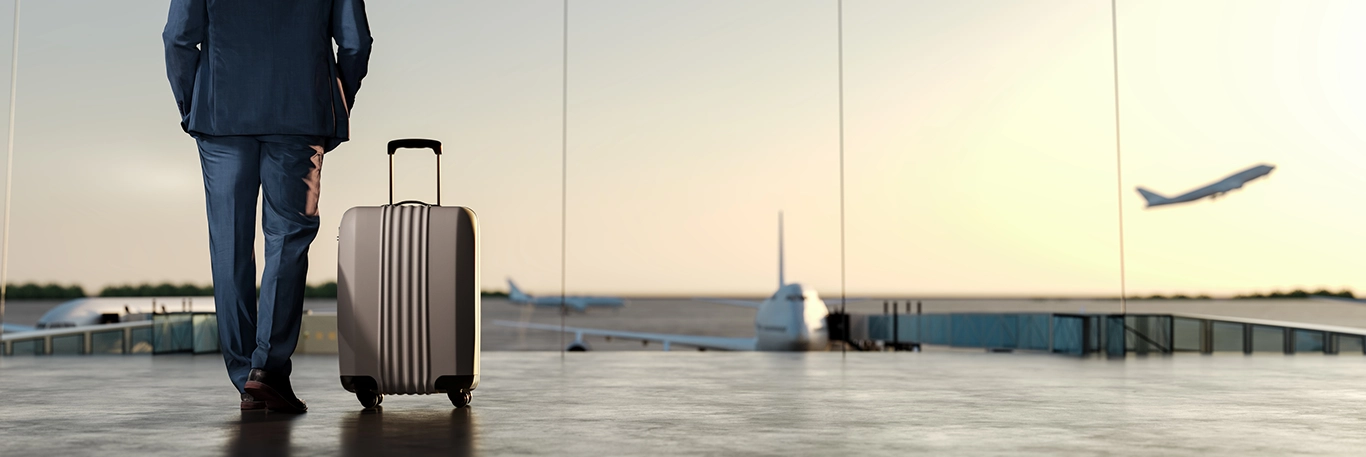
column 1299, row 293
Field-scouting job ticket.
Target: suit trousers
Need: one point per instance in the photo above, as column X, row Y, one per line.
column 260, row 333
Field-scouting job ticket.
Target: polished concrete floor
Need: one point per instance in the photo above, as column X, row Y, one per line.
column 690, row 403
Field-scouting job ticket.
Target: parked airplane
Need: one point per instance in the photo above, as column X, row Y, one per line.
column 576, row 303
column 793, row 319
column 1214, row 191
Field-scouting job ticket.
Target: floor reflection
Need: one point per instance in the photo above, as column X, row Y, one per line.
column 377, row 432
column 363, row 433
column 262, row 434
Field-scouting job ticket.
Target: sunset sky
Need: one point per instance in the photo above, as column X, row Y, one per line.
column 980, row 144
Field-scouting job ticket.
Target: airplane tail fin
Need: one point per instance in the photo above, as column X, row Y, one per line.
column 1152, row 197
column 516, row 294
column 781, row 280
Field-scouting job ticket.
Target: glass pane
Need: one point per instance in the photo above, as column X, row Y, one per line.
column 1268, row 339
column 1147, row 334
column 984, row 330
column 110, row 342
column 909, row 328
column 1187, row 334
column 936, row 328
column 205, row 333
column 1228, row 337
column 1308, row 341
column 1350, row 344
column 27, row 347
column 1032, row 332
column 1115, row 335
column 1067, row 335
column 141, row 341
column 68, row 345
column 172, row 333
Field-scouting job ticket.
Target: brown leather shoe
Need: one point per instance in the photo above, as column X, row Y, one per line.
column 277, row 393
column 249, row 403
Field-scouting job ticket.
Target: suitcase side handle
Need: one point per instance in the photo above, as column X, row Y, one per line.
column 414, row 143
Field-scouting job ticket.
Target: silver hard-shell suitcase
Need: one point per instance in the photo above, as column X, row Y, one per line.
column 408, row 296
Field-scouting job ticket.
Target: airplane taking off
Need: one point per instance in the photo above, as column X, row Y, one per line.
column 793, row 319
column 580, row 304
column 1213, row 191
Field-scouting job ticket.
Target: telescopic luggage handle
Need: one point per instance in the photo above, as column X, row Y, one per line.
column 414, row 143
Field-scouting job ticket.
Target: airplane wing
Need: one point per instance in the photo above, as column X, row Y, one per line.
column 723, row 301
column 709, row 342
column 12, row 328
column 834, row 303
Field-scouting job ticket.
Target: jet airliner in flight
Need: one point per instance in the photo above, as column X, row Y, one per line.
column 1213, row 191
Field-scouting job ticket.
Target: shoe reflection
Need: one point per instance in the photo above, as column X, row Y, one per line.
column 376, row 432
column 363, row 433
column 262, row 434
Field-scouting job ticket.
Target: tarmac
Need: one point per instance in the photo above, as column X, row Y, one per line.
column 709, row 403
column 696, row 317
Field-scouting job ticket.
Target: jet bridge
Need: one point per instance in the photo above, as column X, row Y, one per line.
column 1114, row 335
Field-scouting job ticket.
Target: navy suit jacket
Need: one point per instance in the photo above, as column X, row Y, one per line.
column 266, row 67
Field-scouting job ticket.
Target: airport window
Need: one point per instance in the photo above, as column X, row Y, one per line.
column 27, row 347
column 68, row 345
column 1187, row 334
column 1308, row 341
column 1349, row 344
column 1268, row 339
column 110, row 342
column 1228, row 337
column 205, row 327
column 140, row 341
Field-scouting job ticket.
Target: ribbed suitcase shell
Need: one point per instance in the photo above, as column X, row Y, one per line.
column 408, row 299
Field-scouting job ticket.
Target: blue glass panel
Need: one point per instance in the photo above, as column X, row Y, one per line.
column 1067, row 335
column 1114, row 336
column 1033, row 332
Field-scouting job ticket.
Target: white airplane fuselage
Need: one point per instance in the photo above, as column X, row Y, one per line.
column 793, row 319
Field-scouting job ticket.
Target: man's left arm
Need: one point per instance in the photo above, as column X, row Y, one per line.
column 186, row 27
column 351, row 30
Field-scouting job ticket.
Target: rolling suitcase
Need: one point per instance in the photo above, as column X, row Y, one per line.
column 408, row 296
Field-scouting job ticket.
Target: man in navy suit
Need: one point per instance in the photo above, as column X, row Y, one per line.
column 260, row 89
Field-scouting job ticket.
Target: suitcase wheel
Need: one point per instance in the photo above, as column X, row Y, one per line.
column 459, row 398
column 369, row 398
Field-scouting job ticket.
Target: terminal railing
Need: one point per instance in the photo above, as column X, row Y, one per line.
column 167, row 333
column 1110, row 334
column 163, row 333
